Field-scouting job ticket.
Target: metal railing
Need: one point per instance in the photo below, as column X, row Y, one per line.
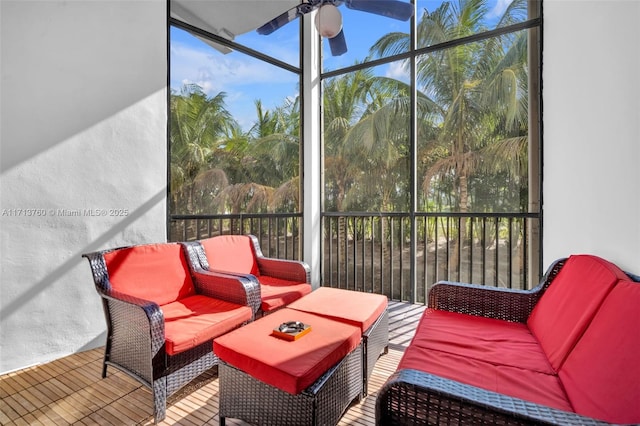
column 280, row 234
column 383, row 253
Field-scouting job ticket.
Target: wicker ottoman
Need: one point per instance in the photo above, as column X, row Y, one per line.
column 266, row 380
column 364, row 310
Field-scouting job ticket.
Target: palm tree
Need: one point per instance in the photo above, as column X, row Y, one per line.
column 343, row 106
column 379, row 143
column 198, row 126
column 274, row 149
column 218, row 168
column 343, row 100
column 261, row 166
column 478, row 87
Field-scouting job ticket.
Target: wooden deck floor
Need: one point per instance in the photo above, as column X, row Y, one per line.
column 70, row 390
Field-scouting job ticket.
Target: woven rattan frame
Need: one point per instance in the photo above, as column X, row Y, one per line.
column 492, row 302
column 135, row 333
column 411, row 397
column 285, row 269
column 323, row 403
column 248, row 294
column 375, row 341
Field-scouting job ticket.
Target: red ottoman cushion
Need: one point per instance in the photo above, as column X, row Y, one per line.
column 288, row 365
column 353, row 307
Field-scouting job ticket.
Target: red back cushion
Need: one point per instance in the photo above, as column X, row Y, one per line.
column 231, row 253
column 569, row 304
column 156, row 272
column 602, row 374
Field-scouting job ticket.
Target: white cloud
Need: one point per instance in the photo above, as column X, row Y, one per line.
column 396, row 70
column 242, row 78
column 499, row 8
column 280, row 45
column 216, row 72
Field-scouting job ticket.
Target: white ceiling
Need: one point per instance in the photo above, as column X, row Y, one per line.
column 228, row 18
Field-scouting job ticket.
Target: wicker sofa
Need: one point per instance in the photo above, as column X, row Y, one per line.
column 281, row 281
column 162, row 317
column 563, row 353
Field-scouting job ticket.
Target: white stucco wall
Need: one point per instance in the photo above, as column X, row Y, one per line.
column 83, row 154
column 591, row 93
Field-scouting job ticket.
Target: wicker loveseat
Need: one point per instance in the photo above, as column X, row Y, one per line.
column 281, row 281
column 162, row 318
column 563, row 353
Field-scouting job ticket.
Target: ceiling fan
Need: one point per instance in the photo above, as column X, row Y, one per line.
column 329, row 20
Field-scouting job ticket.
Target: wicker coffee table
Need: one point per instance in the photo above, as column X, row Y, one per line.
column 309, row 381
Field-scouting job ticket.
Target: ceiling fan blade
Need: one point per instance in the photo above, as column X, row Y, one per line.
column 280, row 21
column 338, row 44
column 288, row 16
column 390, row 8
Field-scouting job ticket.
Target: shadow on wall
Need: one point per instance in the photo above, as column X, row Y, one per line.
column 76, row 258
column 73, row 70
column 96, row 342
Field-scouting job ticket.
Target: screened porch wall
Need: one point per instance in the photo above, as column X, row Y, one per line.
column 377, row 252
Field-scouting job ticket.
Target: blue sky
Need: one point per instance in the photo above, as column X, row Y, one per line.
column 245, row 79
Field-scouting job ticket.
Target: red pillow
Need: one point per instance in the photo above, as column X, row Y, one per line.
column 156, row 272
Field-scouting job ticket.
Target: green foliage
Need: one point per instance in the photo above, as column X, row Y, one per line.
column 474, row 143
column 470, row 132
column 217, row 168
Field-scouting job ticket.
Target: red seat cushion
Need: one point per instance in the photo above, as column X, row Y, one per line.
column 569, row 304
column 194, row 320
column 231, row 253
column 288, row 365
column 353, row 307
column 528, row 385
column 276, row 293
column 602, row 373
column 156, row 272
column 485, row 339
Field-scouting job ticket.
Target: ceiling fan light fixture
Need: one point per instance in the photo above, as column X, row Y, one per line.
column 328, row 21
